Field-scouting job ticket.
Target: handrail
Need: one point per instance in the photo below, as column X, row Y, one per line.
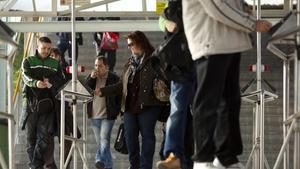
column 26, row 50
column 6, row 115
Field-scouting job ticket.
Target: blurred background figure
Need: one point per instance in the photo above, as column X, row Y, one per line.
column 106, row 43
column 65, row 41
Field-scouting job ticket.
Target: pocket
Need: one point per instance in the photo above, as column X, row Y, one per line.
column 45, row 106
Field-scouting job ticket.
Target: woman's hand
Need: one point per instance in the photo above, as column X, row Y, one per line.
column 97, row 92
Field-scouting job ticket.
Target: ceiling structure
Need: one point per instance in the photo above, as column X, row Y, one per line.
column 141, row 18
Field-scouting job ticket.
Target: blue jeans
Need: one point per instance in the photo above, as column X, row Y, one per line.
column 180, row 99
column 145, row 124
column 102, row 129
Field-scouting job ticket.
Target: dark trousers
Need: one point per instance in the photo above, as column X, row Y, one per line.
column 39, row 131
column 144, row 123
column 49, row 156
column 217, row 108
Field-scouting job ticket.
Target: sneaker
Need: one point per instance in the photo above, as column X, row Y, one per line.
column 99, row 165
column 218, row 164
column 171, row 162
column 204, row 165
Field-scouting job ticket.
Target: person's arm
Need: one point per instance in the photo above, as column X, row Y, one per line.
column 166, row 25
column 111, row 90
column 27, row 75
column 57, row 80
column 223, row 12
column 91, row 82
column 162, row 23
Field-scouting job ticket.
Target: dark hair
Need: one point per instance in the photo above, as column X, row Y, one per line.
column 56, row 51
column 104, row 60
column 44, row 39
column 140, row 39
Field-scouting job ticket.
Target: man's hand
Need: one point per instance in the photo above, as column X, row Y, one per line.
column 263, row 26
column 46, row 80
column 40, row 84
column 94, row 74
column 171, row 26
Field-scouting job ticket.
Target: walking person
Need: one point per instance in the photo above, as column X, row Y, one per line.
column 103, row 111
column 42, row 77
column 106, row 45
column 182, row 90
column 209, row 26
column 49, row 155
column 141, row 108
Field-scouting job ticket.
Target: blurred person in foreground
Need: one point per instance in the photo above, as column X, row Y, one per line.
column 178, row 145
column 217, row 32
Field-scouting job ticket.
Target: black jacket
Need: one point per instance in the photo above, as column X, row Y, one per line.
column 35, row 68
column 173, row 55
column 113, row 102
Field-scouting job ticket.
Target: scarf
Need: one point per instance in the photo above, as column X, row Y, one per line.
column 135, row 65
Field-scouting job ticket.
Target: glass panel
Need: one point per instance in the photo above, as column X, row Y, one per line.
column 24, row 5
column 151, row 5
column 269, row 4
column 43, row 5
column 126, row 5
column 276, row 2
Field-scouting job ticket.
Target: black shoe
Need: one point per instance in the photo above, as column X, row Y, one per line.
column 99, row 165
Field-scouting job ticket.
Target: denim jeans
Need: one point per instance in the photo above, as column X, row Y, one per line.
column 180, row 99
column 217, row 108
column 145, row 124
column 102, row 129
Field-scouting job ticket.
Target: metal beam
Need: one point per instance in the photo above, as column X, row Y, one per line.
column 90, row 26
column 95, row 4
column 87, row 26
column 82, row 14
column 54, row 6
column 265, row 14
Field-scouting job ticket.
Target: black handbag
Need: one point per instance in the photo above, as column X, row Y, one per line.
column 120, row 143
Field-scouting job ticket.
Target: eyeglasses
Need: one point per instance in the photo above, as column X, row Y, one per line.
column 130, row 44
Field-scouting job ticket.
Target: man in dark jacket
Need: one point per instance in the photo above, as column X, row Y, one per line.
column 179, row 70
column 42, row 77
column 103, row 110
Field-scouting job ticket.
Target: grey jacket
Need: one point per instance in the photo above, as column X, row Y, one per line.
column 216, row 27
